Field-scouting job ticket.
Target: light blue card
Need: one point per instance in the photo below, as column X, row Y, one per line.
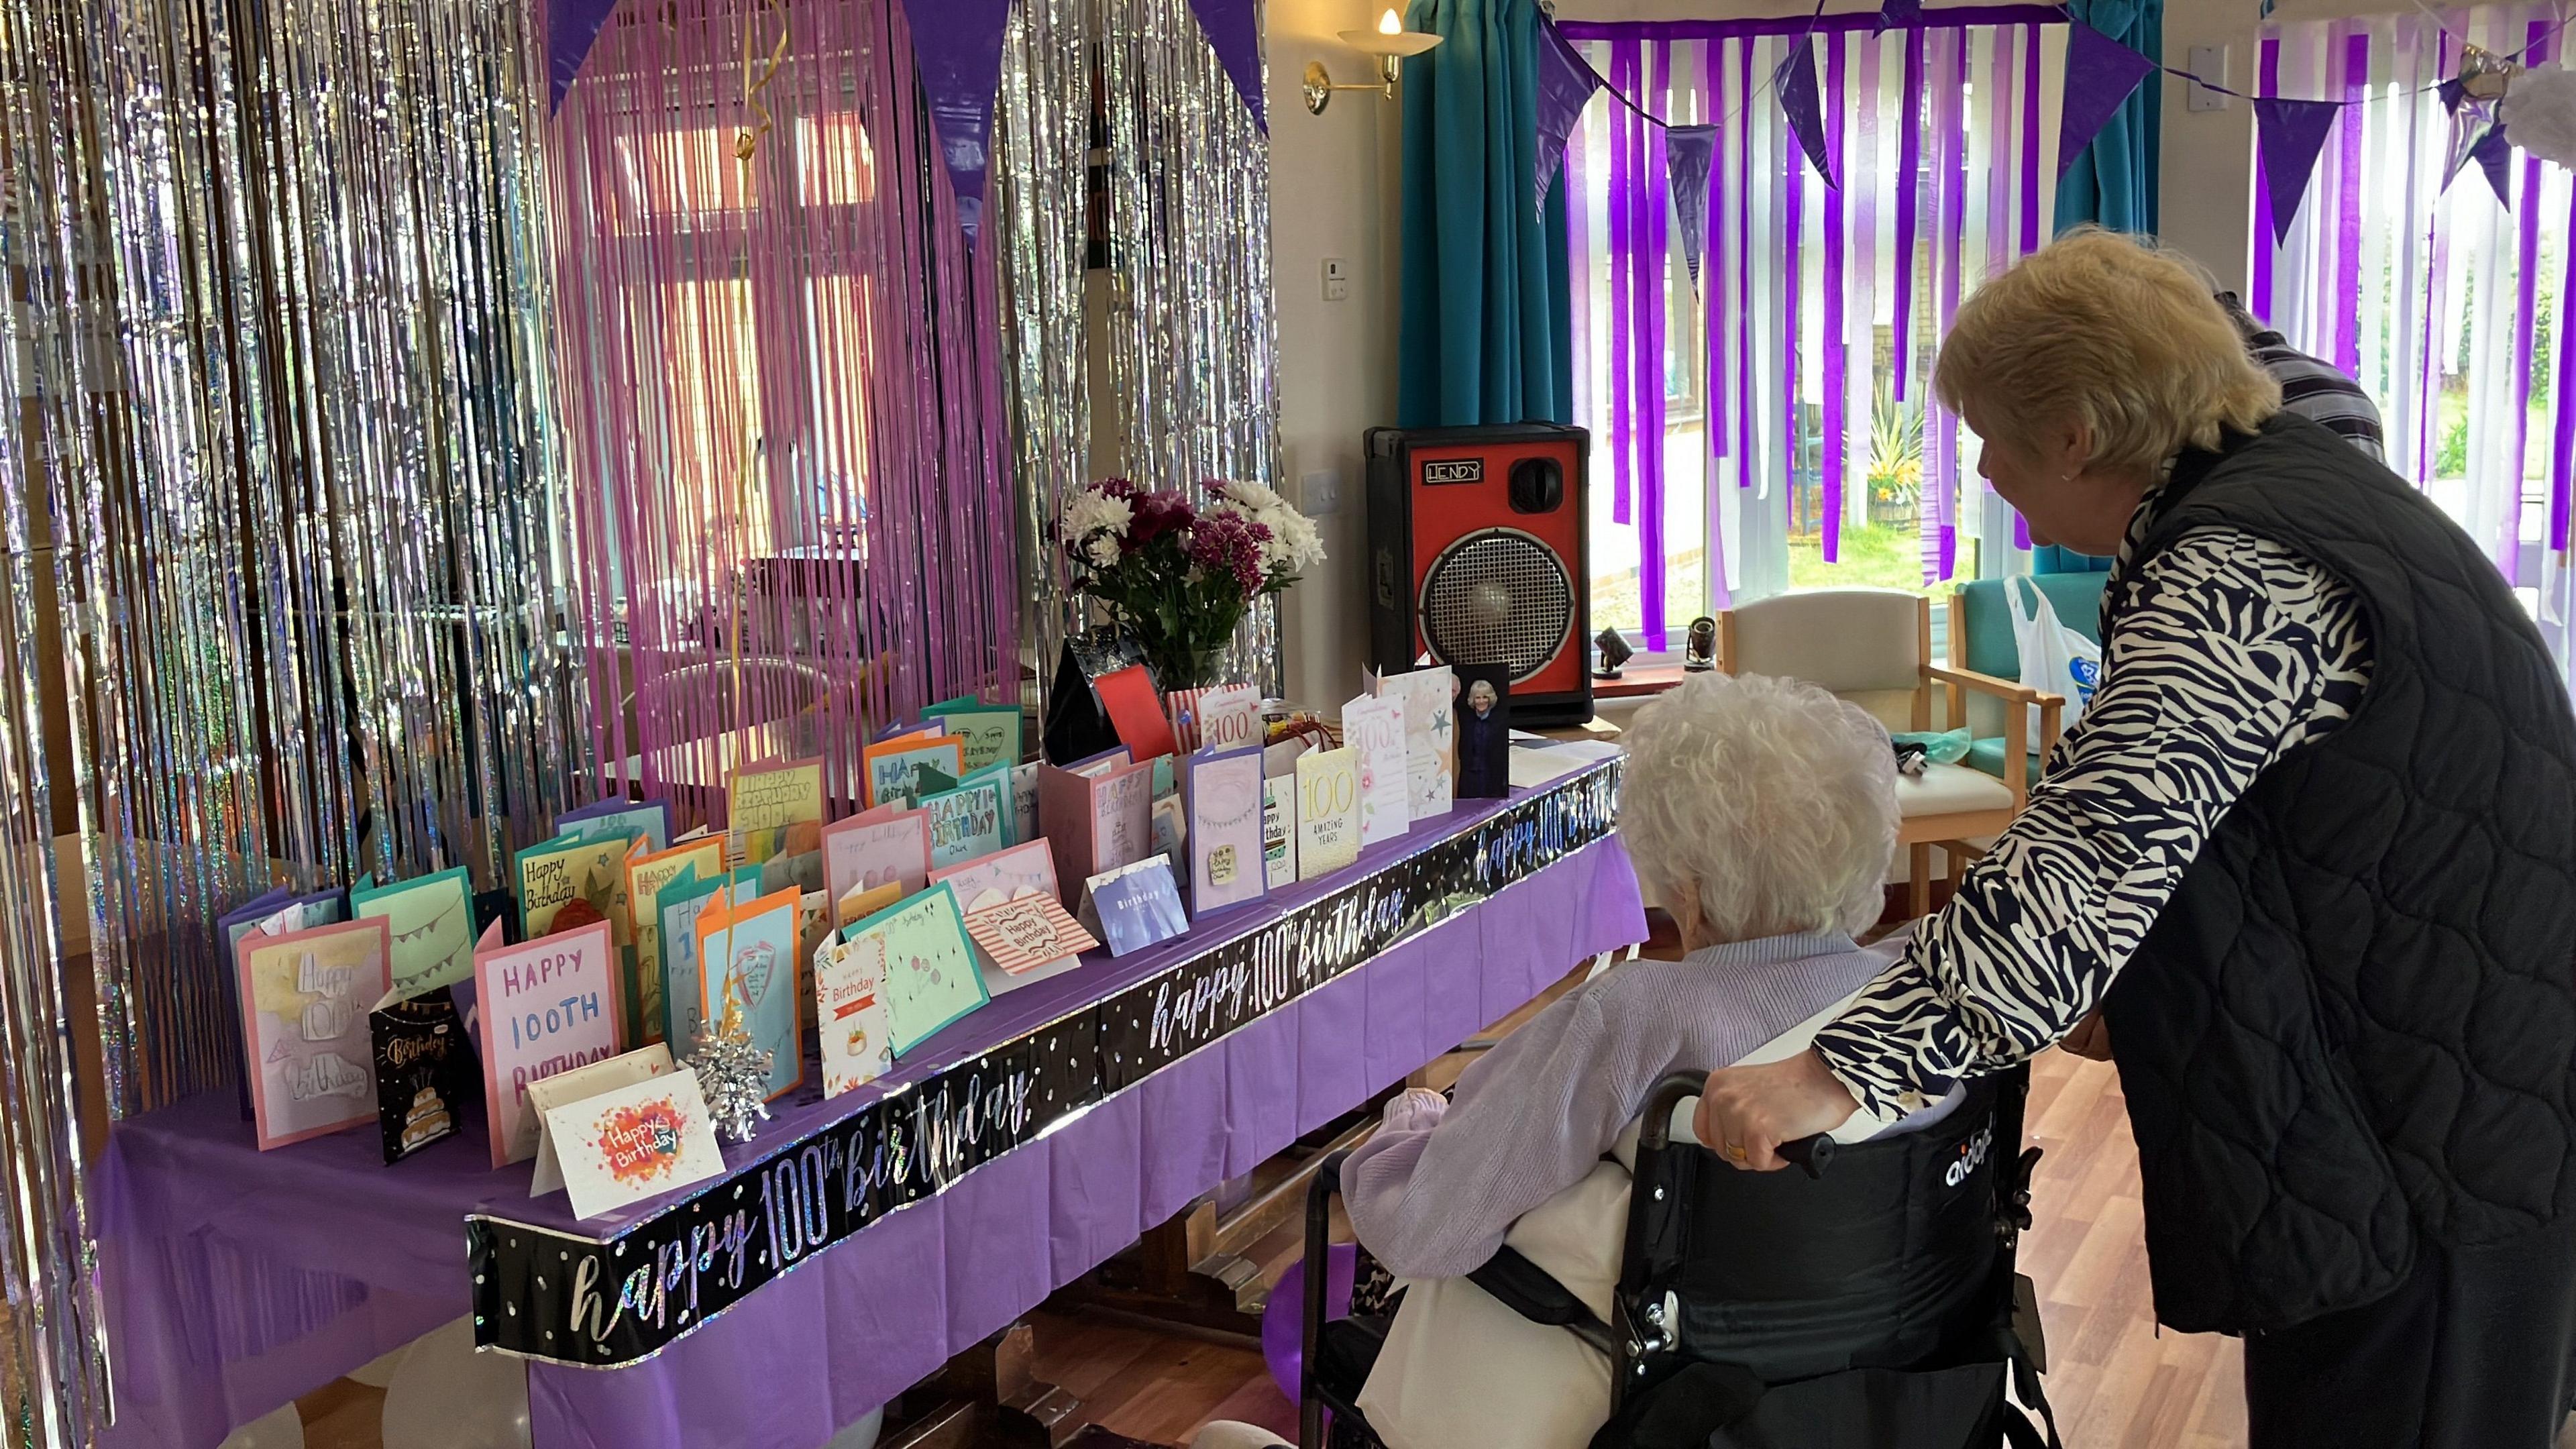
column 753, row 962
column 969, row 821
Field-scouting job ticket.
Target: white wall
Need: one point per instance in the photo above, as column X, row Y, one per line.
column 1332, row 194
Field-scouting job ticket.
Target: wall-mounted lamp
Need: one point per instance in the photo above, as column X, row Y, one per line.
column 1390, row 43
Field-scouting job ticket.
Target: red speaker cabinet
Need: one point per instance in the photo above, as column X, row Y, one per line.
column 1476, row 557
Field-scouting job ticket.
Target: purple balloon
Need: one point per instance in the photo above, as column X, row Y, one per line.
column 1283, row 1335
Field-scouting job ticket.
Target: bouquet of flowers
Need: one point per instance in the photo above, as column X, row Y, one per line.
column 1178, row 578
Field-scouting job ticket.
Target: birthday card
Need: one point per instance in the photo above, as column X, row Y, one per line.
column 1229, row 715
column 1099, row 813
column 850, row 1010
column 547, row 1006
column 864, row 852
column 988, row 734
column 305, row 997
column 431, row 919
column 747, row 959
column 893, row 767
column 565, row 883
column 1224, row 837
column 1024, row 801
column 1027, row 866
column 638, row 1141
column 580, row 1084
column 973, row 819
column 776, row 808
column 1373, row 729
column 1328, row 811
column 1279, row 830
column 646, row 877
column 1134, row 906
column 1026, row 936
column 681, row 901
column 930, row 973
column 620, row 817
column 278, row 912
column 1127, row 696
column 1430, row 735
column 424, row 1069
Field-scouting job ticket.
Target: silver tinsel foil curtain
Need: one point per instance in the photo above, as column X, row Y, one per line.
column 793, row 510
column 1190, row 323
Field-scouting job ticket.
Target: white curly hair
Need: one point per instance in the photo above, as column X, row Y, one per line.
column 1777, row 800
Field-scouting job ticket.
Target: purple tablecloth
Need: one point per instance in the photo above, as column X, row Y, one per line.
column 238, row 1280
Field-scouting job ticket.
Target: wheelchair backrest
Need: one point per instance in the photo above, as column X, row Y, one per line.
column 1885, row 1261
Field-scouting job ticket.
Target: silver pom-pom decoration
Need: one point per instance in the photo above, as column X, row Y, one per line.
column 2540, row 114
column 734, row 1074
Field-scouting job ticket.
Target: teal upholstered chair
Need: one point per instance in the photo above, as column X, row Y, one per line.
column 1981, row 643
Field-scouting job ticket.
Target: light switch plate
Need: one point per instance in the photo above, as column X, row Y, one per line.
column 2209, row 62
column 1337, row 279
column 1320, row 493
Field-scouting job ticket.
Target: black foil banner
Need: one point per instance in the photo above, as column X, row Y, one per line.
column 545, row 1294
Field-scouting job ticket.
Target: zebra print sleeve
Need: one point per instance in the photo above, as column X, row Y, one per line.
column 2234, row 650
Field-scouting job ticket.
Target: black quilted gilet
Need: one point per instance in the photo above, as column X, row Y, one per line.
column 2354, row 1024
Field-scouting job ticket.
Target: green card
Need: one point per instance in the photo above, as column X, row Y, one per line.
column 991, row 732
column 931, row 978
column 431, row 919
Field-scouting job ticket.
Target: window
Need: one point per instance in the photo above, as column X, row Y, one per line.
column 2445, row 303
column 1800, row 453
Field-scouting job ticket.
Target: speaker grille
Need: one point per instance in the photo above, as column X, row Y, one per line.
column 1498, row 596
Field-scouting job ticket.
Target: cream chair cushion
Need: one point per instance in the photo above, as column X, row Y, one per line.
column 1950, row 790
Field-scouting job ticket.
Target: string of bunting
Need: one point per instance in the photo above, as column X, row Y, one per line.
column 2101, row 74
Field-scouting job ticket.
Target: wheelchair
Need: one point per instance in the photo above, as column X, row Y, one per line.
column 1883, row 1310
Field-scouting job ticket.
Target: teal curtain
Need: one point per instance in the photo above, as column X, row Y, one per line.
column 1484, row 318
column 2114, row 183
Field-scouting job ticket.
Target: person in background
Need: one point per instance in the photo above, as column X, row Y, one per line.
column 2311, row 850
column 2310, row 386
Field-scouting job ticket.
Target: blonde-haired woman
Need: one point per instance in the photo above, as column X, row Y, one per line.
column 2311, row 851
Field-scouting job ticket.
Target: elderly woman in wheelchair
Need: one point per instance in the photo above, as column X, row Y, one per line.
column 1545, row 1303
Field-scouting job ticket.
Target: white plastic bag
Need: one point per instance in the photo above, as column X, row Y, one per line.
column 2054, row 658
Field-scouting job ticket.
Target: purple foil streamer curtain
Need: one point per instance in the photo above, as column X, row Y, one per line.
column 1790, row 179
column 1836, row 440
column 959, row 50
column 1744, row 170
column 1909, row 181
column 1234, row 32
column 1653, row 311
column 1625, row 138
column 2100, row 74
column 1688, row 151
column 2267, row 217
column 795, row 528
column 1795, row 81
column 2526, row 294
column 2356, row 83
column 2028, row 166
column 2289, row 135
column 2562, row 451
column 1565, row 87
column 1940, row 522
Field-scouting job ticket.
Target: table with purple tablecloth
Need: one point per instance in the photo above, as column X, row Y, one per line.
column 236, row 1280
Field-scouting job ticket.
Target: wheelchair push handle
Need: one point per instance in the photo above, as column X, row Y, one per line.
column 1811, row 1155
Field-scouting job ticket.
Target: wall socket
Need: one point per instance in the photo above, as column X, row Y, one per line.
column 1319, row 493
column 1337, row 282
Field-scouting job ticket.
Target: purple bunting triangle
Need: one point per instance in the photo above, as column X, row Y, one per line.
column 2100, row 74
column 1565, row 87
column 2452, row 92
column 1796, row 82
column 1688, row 150
column 1234, row 33
column 1899, row 15
column 2291, row 134
column 957, row 46
column 2494, row 155
column 572, row 27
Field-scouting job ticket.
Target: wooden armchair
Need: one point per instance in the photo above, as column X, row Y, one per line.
column 1873, row 647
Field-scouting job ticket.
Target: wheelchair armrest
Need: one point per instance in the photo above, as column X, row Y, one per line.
column 1527, row 1289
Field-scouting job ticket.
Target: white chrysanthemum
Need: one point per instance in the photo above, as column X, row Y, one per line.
column 1294, row 545
column 2540, row 114
column 1097, row 524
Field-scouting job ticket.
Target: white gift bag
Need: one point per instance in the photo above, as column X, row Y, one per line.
column 2054, row 658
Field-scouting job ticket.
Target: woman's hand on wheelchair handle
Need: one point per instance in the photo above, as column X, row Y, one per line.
column 1745, row 1113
